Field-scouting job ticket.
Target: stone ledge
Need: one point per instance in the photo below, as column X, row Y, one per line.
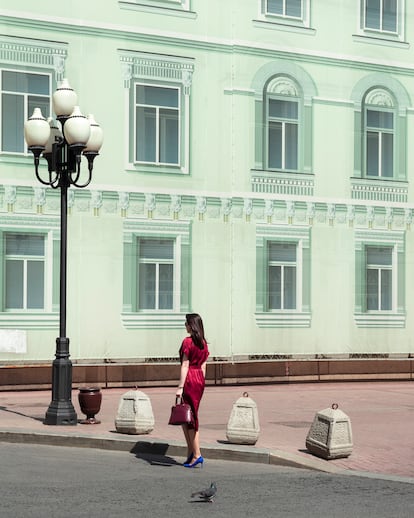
column 111, row 375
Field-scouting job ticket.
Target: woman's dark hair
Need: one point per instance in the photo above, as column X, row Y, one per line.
column 195, row 323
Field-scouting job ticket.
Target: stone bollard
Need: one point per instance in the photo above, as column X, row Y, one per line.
column 243, row 426
column 135, row 414
column 330, row 435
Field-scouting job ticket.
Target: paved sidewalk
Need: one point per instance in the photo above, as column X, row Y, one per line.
column 381, row 414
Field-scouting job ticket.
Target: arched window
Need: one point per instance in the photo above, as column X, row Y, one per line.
column 379, row 126
column 283, row 113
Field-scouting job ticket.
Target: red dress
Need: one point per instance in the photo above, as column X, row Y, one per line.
column 194, row 382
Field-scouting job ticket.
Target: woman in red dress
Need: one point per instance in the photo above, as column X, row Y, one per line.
column 193, row 358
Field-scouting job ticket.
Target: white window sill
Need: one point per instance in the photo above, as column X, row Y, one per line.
column 153, row 320
column 379, row 38
column 290, row 25
column 380, row 319
column 150, row 7
column 283, row 319
column 29, row 320
column 155, row 169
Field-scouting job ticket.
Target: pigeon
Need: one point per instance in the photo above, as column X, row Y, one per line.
column 206, row 495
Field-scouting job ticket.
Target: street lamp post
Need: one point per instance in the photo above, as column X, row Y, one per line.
column 62, row 144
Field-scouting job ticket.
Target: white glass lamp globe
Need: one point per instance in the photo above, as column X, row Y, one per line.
column 36, row 129
column 95, row 141
column 64, row 99
column 77, row 129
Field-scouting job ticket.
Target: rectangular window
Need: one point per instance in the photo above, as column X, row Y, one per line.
column 155, row 274
column 24, row 271
column 281, row 275
column 21, row 92
column 381, row 15
column 379, row 143
column 378, row 278
column 157, row 119
column 287, row 8
column 283, row 130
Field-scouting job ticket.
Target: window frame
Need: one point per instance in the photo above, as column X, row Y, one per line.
column 48, row 317
column 283, row 265
column 379, row 35
column 158, row 262
column 380, row 132
column 180, row 232
column 284, row 122
column 268, row 19
column 25, row 259
column 158, row 126
column 26, row 103
column 284, row 14
column 381, row 18
column 272, row 317
column 139, row 68
column 394, row 317
column 379, row 268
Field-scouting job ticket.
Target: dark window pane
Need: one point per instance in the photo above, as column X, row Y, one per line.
column 283, row 109
column 387, row 155
column 294, row 8
column 389, row 17
column 169, row 136
column 157, row 249
column 157, row 96
column 282, row 252
column 25, row 244
column 372, row 290
column 289, row 291
column 386, row 290
column 35, row 285
column 379, row 256
column 25, row 83
column 373, row 14
column 372, row 153
column 166, row 287
column 275, row 285
column 291, row 146
column 275, row 6
column 380, row 120
column 147, row 284
column 275, row 145
column 146, row 135
column 12, row 123
column 14, row 284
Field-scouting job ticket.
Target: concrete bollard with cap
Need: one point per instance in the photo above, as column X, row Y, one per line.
column 330, row 435
column 243, row 425
column 135, row 415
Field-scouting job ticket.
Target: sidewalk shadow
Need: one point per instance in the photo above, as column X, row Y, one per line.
column 154, row 453
column 5, row 409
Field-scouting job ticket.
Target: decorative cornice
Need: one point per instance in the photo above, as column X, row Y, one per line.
column 19, row 204
column 156, row 66
column 39, row 53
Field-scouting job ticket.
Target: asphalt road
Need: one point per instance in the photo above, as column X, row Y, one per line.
column 47, row 482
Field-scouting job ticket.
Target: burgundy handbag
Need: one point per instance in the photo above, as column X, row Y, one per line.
column 180, row 413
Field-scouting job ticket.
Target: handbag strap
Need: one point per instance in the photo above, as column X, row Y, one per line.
column 178, row 400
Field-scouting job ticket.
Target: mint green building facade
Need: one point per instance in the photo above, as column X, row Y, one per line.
column 257, row 168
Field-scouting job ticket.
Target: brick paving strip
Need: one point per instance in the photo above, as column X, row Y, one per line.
column 381, row 414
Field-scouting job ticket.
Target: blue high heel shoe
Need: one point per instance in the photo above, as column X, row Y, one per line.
column 188, row 459
column 200, row 461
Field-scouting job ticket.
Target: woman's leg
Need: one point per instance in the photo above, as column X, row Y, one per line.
column 195, row 443
column 187, row 439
